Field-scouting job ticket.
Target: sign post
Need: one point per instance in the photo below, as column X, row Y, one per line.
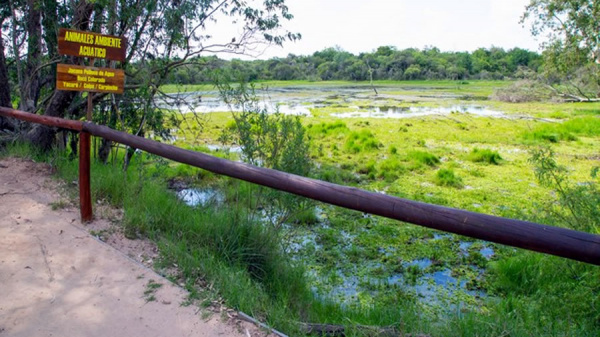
column 89, row 79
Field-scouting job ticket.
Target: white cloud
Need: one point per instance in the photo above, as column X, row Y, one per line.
column 362, row 26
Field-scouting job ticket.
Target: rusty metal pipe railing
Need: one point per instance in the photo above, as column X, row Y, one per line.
column 557, row 241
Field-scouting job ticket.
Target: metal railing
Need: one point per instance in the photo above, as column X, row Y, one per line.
column 552, row 240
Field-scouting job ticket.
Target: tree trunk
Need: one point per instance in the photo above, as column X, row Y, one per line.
column 43, row 136
column 50, row 35
column 50, row 23
column 4, row 83
column 60, row 101
column 104, row 150
column 31, row 84
column 5, row 100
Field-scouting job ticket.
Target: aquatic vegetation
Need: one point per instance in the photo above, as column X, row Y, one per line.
column 447, row 177
column 390, row 169
column 322, row 130
column 374, row 271
column 361, row 141
column 423, row 157
column 485, row 156
column 567, row 131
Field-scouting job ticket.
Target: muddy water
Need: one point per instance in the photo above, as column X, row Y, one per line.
column 430, row 283
column 300, row 100
column 410, row 112
column 200, row 197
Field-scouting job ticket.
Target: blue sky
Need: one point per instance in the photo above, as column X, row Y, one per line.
column 363, row 25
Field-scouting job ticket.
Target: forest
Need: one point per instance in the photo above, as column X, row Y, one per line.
column 386, row 63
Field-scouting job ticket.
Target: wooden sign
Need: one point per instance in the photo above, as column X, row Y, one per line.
column 91, row 79
column 93, row 45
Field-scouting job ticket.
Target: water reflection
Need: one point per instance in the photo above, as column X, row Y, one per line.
column 409, row 112
column 200, row 197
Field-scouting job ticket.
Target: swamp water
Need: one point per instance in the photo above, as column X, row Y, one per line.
column 422, row 278
column 425, row 279
column 433, row 284
column 299, row 101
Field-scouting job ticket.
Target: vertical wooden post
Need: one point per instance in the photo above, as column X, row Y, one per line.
column 85, row 192
column 85, row 195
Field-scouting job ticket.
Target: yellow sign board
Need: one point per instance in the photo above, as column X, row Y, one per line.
column 88, row 44
column 92, row 79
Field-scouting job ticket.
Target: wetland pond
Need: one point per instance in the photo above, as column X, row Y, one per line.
column 359, row 259
column 357, row 102
column 428, row 281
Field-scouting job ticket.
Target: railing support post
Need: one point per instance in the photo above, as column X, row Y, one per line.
column 85, row 192
column 85, row 195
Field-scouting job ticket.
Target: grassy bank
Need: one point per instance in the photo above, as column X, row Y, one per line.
column 529, row 294
column 331, row 265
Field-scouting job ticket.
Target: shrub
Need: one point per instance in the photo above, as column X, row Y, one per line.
column 368, row 168
column 423, row 157
column 579, row 203
column 485, row 156
column 567, row 131
column 362, row 141
column 327, row 129
column 447, row 177
column 391, row 169
column 523, row 91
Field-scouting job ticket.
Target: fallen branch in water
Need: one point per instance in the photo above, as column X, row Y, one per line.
column 333, row 330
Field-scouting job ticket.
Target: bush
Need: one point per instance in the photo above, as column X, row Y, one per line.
column 485, row 156
column 447, row 177
column 327, row 129
column 362, row 141
column 391, row 169
column 567, row 131
column 523, row 91
column 423, row 157
column 579, row 203
column 368, row 168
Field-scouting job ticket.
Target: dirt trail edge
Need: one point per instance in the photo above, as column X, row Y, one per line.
column 58, row 280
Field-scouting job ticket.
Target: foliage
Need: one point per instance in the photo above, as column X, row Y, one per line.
column 322, row 130
column 572, row 49
column 531, row 282
column 447, row 177
column 268, row 139
column 567, row 131
column 390, row 169
column 162, row 35
column 485, row 156
column 386, row 63
column 423, row 157
column 578, row 203
column 361, row 141
column 524, row 91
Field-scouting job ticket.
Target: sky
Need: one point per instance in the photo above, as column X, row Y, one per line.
column 363, row 25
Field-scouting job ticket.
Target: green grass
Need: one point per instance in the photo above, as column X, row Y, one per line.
column 485, row 156
column 567, row 131
column 225, row 247
column 424, row 158
column 447, row 178
column 361, row 141
column 322, row 130
column 530, row 294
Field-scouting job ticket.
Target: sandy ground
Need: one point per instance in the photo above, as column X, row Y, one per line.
column 56, row 279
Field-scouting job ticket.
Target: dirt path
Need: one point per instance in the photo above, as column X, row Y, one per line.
column 58, row 280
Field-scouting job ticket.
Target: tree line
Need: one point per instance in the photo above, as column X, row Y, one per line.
column 385, row 63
